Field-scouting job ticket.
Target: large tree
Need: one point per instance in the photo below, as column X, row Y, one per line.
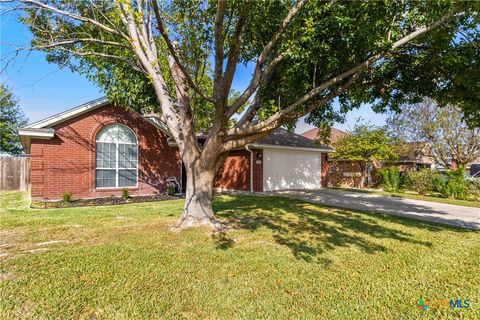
column 11, row 118
column 178, row 59
column 447, row 138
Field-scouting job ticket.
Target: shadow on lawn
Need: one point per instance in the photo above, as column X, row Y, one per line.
column 310, row 230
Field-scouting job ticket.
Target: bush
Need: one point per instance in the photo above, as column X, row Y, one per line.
column 125, row 193
column 67, row 197
column 474, row 189
column 390, row 179
column 421, row 181
column 452, row 184
column 171, row 190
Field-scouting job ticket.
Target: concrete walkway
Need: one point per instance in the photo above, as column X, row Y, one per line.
column 461, row 216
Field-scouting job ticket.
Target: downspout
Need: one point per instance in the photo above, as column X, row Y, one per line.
column 251, row 168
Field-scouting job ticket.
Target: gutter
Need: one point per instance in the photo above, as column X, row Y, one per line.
column 273, row 146
column 251, row 168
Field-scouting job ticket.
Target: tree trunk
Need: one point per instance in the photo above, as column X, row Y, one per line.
column 198, row 209
column 363, row 169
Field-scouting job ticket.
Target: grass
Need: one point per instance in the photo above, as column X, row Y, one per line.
column 283, row 259
column 416, row 196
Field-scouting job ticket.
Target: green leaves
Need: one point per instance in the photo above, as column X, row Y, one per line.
column 365, row 143
column 11, row 119
column 323, row 41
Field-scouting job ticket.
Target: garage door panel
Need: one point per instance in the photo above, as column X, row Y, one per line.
column 289, row 169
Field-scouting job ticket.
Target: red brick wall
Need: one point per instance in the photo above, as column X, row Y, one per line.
column 234, row 174
column 257, row 170
column 324, row 170
column 339, row 174
column 66, row 163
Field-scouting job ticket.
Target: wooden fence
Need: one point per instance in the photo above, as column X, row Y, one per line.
column 14, row 173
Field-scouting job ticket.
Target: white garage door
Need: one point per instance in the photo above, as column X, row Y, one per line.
column 291, row 169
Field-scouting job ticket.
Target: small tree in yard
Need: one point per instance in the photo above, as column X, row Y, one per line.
column 178, row 60
column 365, row 144
column 11, row 118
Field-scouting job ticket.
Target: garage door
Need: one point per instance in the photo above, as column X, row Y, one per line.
column 290, row 169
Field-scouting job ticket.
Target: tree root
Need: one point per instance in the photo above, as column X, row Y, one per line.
column 194, row 222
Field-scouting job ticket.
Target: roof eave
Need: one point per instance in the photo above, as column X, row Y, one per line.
column 273, row 146
column 66, row 115
column 27, row 134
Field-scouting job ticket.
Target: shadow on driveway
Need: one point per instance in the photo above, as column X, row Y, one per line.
column 460, row 216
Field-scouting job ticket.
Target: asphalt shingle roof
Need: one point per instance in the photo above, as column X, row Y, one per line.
column 282, row 137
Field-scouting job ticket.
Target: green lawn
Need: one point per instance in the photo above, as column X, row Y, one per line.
column 416, row 196
column 283, row 259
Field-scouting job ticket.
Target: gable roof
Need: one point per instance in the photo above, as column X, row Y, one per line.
column 68, row 114
column 283, row 138
column 279, row 138
column 335, row 135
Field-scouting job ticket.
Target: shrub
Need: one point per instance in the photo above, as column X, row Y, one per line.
column 452, row 184
column 171, row 189
column 390, row 179
column 474, row 189
column 125, row 193
column 421, row 181
column 67, row 197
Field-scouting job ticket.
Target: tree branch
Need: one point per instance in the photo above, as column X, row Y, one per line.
column 257, row 74
column 74, row 16
column 169, row 114
column 332, row 81
column 163, row 32
column 234, row 53
column 218, row 37
column 73, row 41
column 283, row 116
column 262, row 77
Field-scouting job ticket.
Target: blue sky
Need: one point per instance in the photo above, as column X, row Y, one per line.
column 43, row 89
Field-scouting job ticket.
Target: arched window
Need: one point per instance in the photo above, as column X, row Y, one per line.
column 116, row 157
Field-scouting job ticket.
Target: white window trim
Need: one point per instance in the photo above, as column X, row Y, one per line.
column 117, row 169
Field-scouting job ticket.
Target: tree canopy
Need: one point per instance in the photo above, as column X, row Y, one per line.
column 11, row 119
column 447, row 137
column 323, row 43
column 366, row 143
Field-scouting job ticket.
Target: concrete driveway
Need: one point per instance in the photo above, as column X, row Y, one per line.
column 461, row 216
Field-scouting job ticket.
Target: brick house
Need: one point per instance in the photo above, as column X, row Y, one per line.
column 98, row 149
column 348, row 173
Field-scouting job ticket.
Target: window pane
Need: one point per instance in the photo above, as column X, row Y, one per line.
column 105, row 178
column 100, row 155
column 125, row 135
column 107, row 134
column 127, row 154
column 111, row 156
column 127, row 178
column 105, row 155
column 116, row 133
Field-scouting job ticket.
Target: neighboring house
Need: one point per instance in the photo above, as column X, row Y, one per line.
column 414, row 156
column 97, row 149
column 340, row 172
column 335, row 135
column 344, row 172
